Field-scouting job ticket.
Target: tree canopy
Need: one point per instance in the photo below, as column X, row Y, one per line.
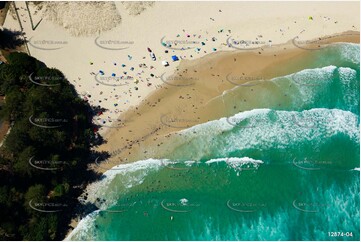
column 46, row 151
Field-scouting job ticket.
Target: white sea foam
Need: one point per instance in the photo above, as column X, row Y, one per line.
column 234, row 160
column 309, row 81
column 350, row 52
column 122, row 177
column 349, row 87
column 190, row 162
column 280, row 127
column 221, row 125
column 238, row 164
column 317, row 75
column 347, row 75
column 85, row 229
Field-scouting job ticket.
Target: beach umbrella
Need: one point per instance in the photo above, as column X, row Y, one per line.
column 175, row 58
column 310, row 18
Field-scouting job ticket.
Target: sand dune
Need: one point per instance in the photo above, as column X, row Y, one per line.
column 137, row 7
column 92, row 19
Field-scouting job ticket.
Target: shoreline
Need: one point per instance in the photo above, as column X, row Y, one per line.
column 160, row 122
column 156, row 134
column 211, row 27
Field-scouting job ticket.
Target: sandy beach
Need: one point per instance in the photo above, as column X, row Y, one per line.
column 141, row 102
column 112, row 67
column 191, row 97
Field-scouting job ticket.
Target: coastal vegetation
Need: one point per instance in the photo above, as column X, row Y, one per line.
column 43, row 159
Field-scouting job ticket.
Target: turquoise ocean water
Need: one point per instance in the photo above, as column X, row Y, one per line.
column 289, row 173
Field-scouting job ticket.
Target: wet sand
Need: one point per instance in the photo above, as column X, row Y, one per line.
column 189, row 96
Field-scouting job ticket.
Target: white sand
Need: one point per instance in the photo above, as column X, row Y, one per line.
column 144, row 26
